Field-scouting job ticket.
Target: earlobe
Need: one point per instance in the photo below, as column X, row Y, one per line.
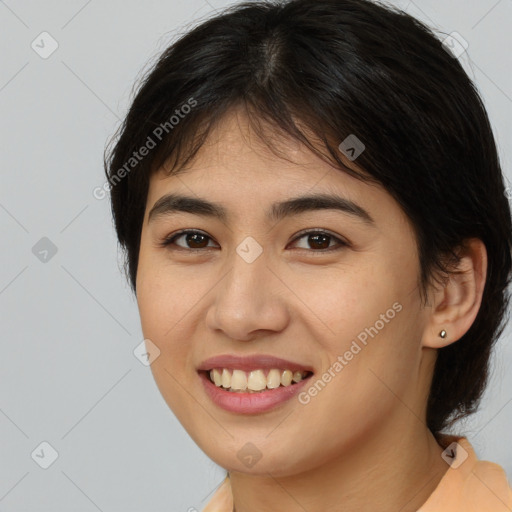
column 456, row 304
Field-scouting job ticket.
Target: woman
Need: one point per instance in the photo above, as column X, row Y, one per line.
column 318, row 236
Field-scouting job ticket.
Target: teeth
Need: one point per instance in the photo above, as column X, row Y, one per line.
column 226, row 378
column 254, row 381
column 286, row 378
column 257, row 380
column 273, row 379
column 297, row 377
column 216, row 378
column 239, row 380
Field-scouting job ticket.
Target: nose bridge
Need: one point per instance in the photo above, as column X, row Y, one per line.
column 248, row 272
column 243, row 300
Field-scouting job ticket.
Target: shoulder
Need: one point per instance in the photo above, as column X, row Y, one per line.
column 469, row 485
column 488, row 486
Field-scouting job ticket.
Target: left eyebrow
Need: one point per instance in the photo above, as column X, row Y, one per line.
column 173, row 203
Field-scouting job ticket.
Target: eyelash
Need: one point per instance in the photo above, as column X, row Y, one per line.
column 168, row 241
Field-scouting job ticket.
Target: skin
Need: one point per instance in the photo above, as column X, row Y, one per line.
column 362, row 442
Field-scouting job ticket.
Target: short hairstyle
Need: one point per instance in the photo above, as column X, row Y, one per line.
column 319, row 71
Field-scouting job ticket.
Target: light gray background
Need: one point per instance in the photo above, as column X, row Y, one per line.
column 68, row 373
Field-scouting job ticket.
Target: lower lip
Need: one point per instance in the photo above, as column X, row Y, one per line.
column 250, row 403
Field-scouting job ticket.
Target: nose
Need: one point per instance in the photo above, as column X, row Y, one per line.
column 249, row 301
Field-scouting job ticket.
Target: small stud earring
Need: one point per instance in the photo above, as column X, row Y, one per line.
column 442, row 334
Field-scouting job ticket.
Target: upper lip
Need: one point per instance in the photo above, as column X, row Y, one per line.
column 254, row 362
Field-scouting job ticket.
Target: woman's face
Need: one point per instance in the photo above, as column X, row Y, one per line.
column 345, row 305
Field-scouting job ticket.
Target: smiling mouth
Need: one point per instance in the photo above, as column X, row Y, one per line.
column 255, row 381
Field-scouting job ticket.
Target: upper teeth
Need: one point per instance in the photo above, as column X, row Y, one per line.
column 238, row 380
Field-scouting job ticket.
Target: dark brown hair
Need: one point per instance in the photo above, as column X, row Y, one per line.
column 339, row 67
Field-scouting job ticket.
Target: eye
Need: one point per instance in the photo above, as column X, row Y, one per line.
column 320, row 239
column 194, row 240
column 193, row 237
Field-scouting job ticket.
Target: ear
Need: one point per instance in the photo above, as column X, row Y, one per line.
column 455, row 305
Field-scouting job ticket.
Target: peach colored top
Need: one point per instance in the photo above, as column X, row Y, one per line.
column 469, row 485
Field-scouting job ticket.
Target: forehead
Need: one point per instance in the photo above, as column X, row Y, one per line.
column 235, row 154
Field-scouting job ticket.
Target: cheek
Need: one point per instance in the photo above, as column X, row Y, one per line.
column 368, row 337
column 164, row 294
column 360, row 386
column 162, row 303
column 154, row 306
column 342, row 302
column 160, row 310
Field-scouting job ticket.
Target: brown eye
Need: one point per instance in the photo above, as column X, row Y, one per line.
column 194, row 240
column 319, row 241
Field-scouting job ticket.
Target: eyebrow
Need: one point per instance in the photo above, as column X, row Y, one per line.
column 173, row 203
